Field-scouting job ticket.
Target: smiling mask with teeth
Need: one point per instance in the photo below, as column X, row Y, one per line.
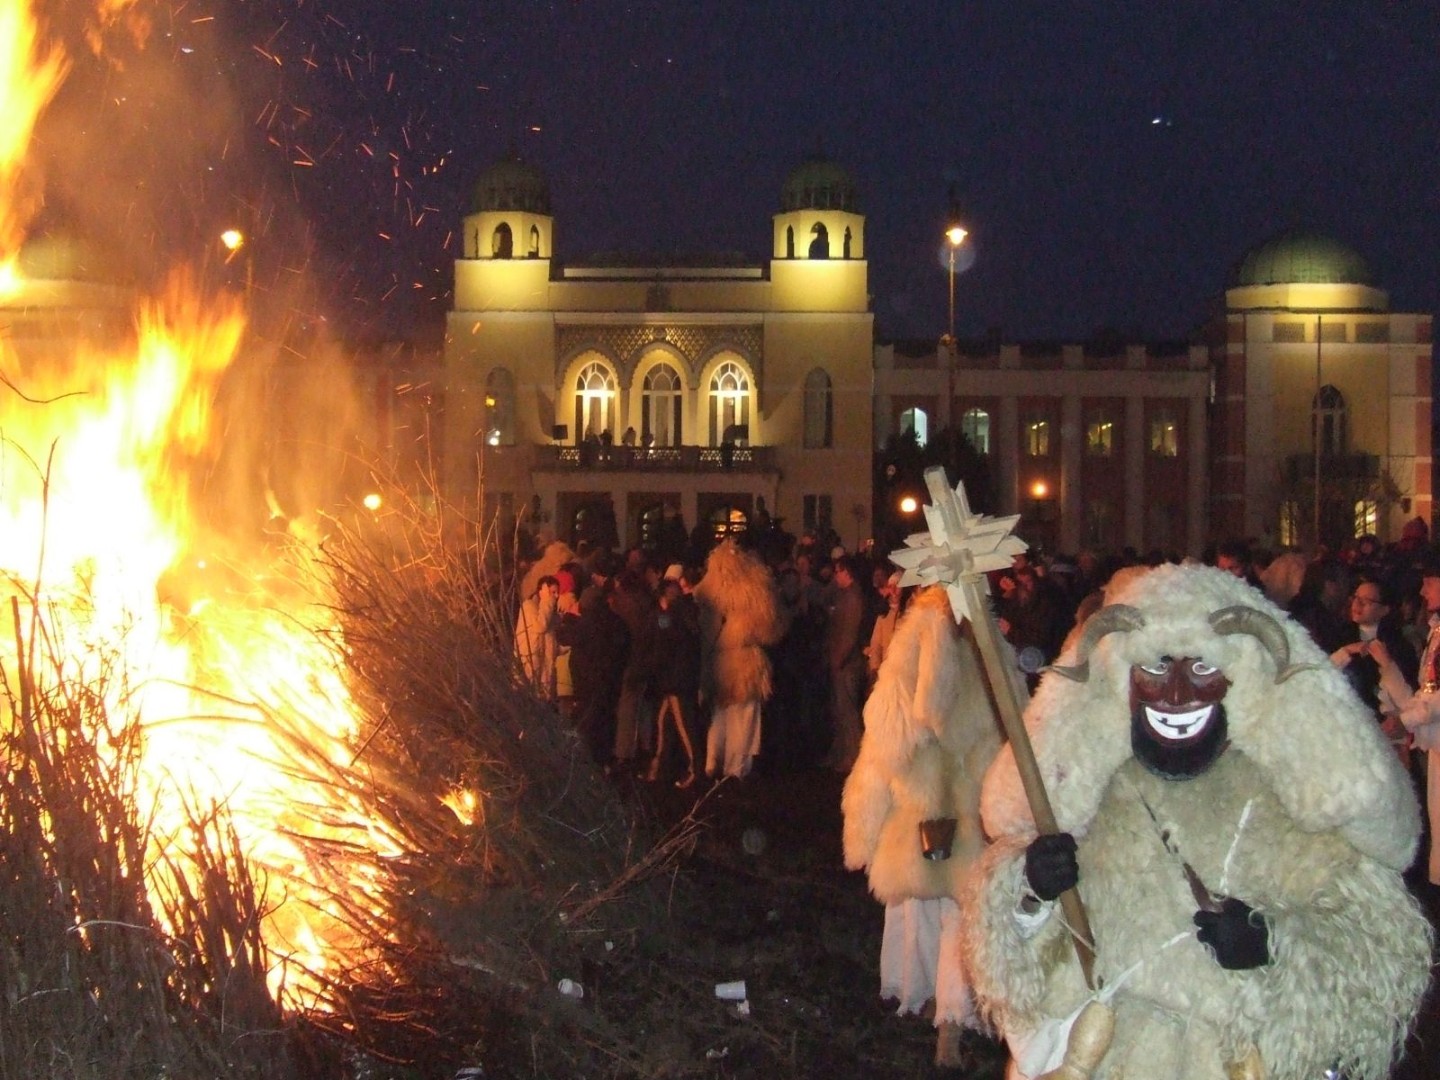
column 1177, row 722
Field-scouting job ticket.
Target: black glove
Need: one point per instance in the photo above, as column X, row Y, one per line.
column 1237, row 934
column 1050, row 865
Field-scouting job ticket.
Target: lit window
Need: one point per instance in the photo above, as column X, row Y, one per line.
column 1037, row 438
column 660, row 420
column 916, row 422
column 1164, row 437
column 975, row 426
column 1100, row 438
column 728, row 521
column 594, row 401
column 1367, row 517
column 729, row 404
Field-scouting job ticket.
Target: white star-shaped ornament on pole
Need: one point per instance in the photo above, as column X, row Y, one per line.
column 960, row 548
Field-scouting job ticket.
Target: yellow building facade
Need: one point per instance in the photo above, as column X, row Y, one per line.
column 574, row 392
column 1317, row 379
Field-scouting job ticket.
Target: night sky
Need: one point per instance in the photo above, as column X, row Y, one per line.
column 1113, row 161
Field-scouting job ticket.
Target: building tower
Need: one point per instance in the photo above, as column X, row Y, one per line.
column 1316, row 377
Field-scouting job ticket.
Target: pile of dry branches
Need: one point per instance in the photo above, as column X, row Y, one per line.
column 94, row 985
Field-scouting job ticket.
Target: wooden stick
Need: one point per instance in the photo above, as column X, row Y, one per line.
column 1007, row 703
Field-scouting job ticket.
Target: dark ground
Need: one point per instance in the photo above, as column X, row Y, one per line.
column 804, row 934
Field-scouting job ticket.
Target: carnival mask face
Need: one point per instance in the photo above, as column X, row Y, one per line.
column 1177, row 722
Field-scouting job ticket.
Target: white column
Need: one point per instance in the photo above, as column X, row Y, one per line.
column 1135, row 450
column 1072, row 506
column 1007, row 446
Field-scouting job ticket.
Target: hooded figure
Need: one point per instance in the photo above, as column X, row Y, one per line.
column 739, row 616
column 1236, row 827
column 930, row 733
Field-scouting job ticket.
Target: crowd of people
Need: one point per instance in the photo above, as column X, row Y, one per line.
column 777, row 659
column 630, row 646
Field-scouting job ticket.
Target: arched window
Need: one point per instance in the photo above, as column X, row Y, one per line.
column 846, row 248
column 819, row 241
column 916, row 422
column 729, row 403
column 502, row 244
column 660, row 407
column 819, row 411
column 975, row 426
column 1329, row 422
column 789, row 241
column 499, row 425
column 594, row 401
column 534, row 251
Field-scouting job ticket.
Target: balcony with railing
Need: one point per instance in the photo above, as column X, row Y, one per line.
column 1301, row 467
column 751, row 459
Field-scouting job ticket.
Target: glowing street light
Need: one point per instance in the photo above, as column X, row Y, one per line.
column 955, row 235
column 909, row 504
column 233, row 240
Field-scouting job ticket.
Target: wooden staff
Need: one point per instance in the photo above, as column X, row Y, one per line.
column 954, row 561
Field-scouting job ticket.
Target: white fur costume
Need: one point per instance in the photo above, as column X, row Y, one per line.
column 1307, row 817
column 739, row 616
column 930, row 733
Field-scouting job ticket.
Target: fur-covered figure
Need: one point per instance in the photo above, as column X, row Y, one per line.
column 930, row 733
column 739, row 616
column 1240, row 832
column 556, row 554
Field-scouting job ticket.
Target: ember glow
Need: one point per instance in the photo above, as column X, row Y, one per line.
column 225, row 662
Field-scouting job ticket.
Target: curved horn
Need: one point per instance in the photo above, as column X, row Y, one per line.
column 1108, row 620
column 1241, row 619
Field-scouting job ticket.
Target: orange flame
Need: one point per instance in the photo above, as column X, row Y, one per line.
column 29, row 77
column 98, row 450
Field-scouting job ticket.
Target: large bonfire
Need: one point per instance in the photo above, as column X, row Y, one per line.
column 251, row 780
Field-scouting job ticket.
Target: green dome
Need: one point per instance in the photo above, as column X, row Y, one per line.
column 819, row 184
column 1302, row 256
column 511, row 184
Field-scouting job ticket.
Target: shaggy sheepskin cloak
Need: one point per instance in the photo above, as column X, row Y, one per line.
column 739, row 616
column 1307, row 817
column 930, row 734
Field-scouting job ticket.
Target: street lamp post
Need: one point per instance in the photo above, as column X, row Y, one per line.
column 955, row 234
